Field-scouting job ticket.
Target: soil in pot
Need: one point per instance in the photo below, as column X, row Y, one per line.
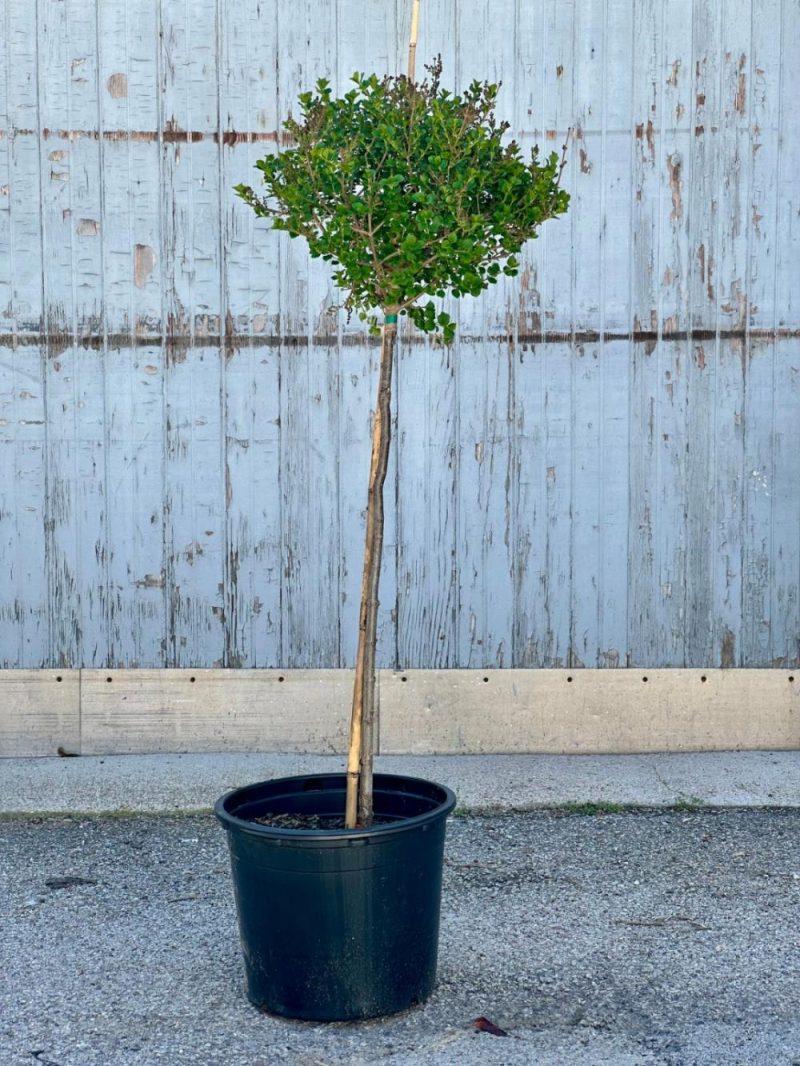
column 284, row 820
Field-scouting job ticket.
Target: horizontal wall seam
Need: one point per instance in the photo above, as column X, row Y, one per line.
column 168, row 135
column 97, row 341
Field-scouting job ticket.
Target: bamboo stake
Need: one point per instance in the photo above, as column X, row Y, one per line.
column 412, row 46
column 358, row 801
column 358, row 807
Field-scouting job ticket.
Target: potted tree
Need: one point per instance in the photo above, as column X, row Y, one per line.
column 409, row 192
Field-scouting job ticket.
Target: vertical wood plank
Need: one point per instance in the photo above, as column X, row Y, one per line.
column 72, row 286
column 701, row 384
column 248, row 105
column 784, row 484
column 427, row 436
column 764, row 238
column 558, row 69
column 193, row 382
column 786, row 153
column 127, row 118
column 543, row 444
column 616, row 446
column 542, row 375
column 674, row 585
column 483, row 366
column 25, row 150
column 129, row 94
column 785, row 488
column 587, row 174
column 644, row 590
column 24, row 609
column 309, row 392
column 725, row 586
column 616, row 170
column 6, row 244
column 528, row 128
column 24, row 606
column 702, row 363
column 134, row 470
column 757, row 505
column 733, row 117
column 194, row 508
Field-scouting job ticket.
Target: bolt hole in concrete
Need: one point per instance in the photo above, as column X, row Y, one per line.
column 281, row 678
column 644, row 679
column 704, row 678
column 486, row 679
column 791, row 678
column 192, row 679
column 404, row 679
column 59, row 678
column 109, row 679
column 569, row 679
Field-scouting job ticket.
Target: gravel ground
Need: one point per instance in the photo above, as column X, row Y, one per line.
column 603, row 940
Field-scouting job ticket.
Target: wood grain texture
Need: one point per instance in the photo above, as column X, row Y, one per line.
column 601, row 471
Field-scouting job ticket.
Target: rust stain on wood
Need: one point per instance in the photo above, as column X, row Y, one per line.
column 741, row 83
column 728, row 649
column 647, row 133
column 144, row 260
column 674, row 164
column 150, row 581
column 117, row 85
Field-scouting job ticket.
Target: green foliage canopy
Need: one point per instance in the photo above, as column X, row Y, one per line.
column 408, row 191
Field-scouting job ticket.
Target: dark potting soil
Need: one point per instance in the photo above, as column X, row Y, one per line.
column 312, row 821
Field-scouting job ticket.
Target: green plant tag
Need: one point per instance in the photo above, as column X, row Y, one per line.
column 391, row 320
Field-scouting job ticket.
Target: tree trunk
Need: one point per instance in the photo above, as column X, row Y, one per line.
column 362, row 723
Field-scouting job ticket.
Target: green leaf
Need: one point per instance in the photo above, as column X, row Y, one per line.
column 408, row 191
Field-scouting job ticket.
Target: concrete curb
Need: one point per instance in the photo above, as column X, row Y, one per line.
column 182, row 783
column 586, row 711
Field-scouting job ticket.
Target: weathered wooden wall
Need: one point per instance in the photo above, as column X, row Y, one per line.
column 603, row 471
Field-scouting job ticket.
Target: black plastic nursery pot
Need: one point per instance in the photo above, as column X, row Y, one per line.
column 341, row 924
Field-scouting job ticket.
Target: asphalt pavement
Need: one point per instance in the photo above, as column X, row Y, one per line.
column 627, row 939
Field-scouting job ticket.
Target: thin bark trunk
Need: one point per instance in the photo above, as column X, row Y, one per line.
column 358, row 809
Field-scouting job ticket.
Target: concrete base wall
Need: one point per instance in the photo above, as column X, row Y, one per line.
column 92, row 712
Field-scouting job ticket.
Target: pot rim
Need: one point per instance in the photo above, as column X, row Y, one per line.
column 317, row 837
